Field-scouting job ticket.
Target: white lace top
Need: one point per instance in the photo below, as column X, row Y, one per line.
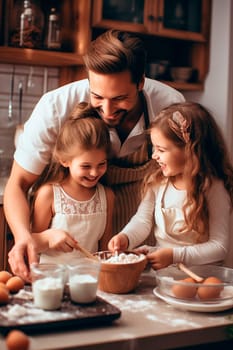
column 64, row 204
column 84, row 220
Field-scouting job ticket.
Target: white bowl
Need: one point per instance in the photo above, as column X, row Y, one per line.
column 181, row 74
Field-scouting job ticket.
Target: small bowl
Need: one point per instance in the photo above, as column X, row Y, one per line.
column 169, row 282
column 157, row 69
column 120, row 277
column 181, row 74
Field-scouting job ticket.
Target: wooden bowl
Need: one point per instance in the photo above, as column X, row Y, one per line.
column 119, row 278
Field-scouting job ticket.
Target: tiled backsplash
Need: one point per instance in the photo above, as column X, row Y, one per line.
column 35, row 81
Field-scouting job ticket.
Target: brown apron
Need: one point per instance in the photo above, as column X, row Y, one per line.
column 125, row 176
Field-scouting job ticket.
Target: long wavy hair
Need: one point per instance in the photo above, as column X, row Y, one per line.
column 191, row 126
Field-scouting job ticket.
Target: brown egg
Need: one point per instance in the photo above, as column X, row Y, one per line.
column 17, row 340
column 4, row 276
column 4, row 295
column 3, row 285
column 14, row 284
column 184, row 291
column 210, row 292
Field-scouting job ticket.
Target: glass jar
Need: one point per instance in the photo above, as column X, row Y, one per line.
column 28, row 25
column 53, row 41
column 83, row 280
column 48, row 283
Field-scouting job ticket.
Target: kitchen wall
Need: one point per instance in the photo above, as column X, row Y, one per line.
column 218, row 93
column 35, row 81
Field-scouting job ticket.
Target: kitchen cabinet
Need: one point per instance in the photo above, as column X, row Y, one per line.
column 6, row 241
column 175, row 31
column 184, row 19
column 75, row 37
column 6, row 237
column 3, row 240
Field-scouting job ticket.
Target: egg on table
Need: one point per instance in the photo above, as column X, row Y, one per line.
column 17, row 340
column 14, row 284
column 4, row 276
column 184, row 290
column 4, row 295
column 3, row 285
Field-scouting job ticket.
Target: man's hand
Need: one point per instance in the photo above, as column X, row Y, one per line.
column 22, row 254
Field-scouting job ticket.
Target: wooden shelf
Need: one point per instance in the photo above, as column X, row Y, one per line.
column 184, row 86
column 39, row 57
column 78, row 30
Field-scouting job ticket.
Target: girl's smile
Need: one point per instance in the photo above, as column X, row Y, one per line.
column 170, row 158
column 87, row 167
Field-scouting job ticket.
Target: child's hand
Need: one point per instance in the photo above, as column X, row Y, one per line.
column 161, row 258
column 144, row 249
column 60, row 240
column 118, row 242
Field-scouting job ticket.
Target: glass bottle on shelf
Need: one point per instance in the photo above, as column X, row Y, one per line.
column 29, row 23
column 54, row 31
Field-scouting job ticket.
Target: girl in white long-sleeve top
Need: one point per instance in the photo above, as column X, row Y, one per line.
column 189, row 196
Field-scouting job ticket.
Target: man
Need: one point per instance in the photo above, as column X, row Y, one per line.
column 125, row 100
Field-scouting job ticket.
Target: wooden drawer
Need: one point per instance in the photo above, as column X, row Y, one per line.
column 3, row 245
column 6, row 241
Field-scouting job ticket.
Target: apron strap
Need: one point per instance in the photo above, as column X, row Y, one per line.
column 147, row 122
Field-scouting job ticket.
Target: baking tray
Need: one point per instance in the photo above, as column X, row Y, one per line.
column 30, row 319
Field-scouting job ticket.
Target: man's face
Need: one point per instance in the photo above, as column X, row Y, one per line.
column 114, row 96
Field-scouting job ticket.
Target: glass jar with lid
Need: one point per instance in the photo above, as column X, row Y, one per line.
column 28, row 25
column 53, row 39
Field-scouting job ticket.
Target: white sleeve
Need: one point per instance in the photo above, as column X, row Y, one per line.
column 215, row 249
column 40, row 130
column 140, row 225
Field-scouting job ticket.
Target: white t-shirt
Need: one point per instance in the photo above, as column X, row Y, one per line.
column 40, row 131
column 185, row 249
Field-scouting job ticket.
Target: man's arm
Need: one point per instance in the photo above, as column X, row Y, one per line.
column 17, row 214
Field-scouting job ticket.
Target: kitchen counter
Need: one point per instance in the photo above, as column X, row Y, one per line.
column 146, row 323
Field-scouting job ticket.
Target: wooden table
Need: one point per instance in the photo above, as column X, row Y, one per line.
column 146, row 323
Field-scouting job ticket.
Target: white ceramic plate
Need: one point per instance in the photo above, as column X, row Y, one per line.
column 194, row 306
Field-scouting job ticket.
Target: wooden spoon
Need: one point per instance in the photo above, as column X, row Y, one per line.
column 86, row 252
column 190, row 273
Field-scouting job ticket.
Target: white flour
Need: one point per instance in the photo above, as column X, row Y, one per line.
column 83, row 288
column 48, row 293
